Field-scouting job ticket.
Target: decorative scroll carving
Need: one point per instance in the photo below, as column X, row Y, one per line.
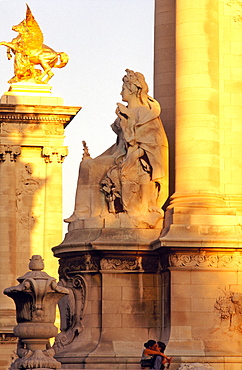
column 12, row 150
column 229, row 307
column 77, row 265
column 72, row 310
column 118, row 264
column 206, row 260
column 236, row 9
column 49, row 153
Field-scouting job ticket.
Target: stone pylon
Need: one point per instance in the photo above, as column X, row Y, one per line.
column 198, row 66
column 31, row 155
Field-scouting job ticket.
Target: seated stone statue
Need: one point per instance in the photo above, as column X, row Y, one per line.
column 131, row 176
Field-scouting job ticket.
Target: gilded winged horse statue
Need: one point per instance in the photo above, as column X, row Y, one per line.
column 29, row 51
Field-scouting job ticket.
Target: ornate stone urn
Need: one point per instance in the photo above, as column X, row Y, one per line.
column 35, row 298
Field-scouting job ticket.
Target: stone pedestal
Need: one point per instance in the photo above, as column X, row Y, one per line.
column 30, row 93
column 118, row 299
column 31, row 156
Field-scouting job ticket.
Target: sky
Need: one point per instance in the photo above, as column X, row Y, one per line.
column 102, row 39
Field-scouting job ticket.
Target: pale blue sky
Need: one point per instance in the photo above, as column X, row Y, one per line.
column 102, row 38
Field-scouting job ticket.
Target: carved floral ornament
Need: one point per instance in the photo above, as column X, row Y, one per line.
column 206, row 260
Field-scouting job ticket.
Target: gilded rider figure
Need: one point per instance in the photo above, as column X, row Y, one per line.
column 29, row 51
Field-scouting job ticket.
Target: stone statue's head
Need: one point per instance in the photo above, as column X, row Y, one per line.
column 135, row 83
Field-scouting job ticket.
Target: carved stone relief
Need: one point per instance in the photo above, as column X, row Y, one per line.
column 229, row 307
column 27, row 185
column 31, row 127
column 206, row 260
column 118, row 264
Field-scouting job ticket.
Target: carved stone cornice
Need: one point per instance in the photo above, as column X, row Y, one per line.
column 206, row 260
column 52, row 153
column 12, row 150
column 30, row 118
column 37, row 113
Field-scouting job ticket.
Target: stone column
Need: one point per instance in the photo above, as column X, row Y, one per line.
column 31, row 156
column 165, row 74
column 197, row 104
column 198, row 209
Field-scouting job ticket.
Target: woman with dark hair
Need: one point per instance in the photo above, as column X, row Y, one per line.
column 152, row 357
column 160, row 346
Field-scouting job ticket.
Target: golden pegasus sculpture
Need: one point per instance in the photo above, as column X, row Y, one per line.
column 29, row 51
